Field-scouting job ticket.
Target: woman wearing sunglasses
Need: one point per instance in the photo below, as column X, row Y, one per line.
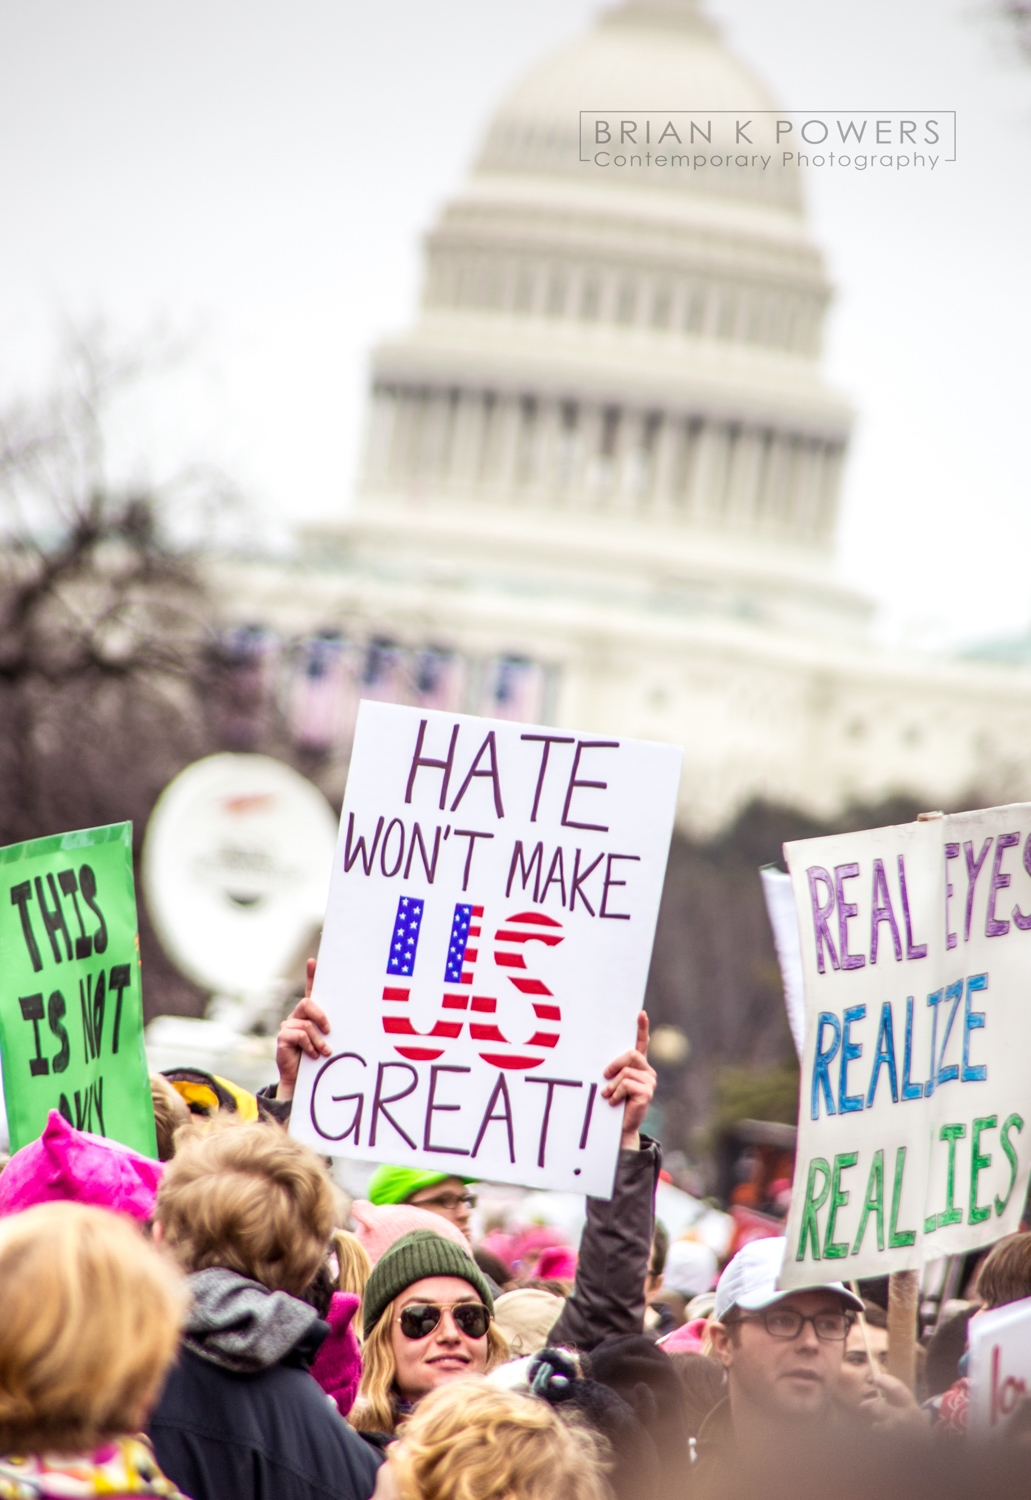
column 428, row 1319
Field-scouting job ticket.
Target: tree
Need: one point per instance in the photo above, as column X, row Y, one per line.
column 1018, row 14
column 108, row 676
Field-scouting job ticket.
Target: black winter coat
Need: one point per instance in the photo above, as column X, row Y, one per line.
column 272, row 1435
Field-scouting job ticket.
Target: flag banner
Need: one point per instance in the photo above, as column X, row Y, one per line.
column 915, row 1102
column 486, row 945
column 71, row 1009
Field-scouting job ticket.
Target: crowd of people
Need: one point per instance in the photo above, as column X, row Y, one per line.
column 222, row 1325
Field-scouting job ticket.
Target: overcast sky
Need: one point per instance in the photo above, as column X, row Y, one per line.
column 256, row 176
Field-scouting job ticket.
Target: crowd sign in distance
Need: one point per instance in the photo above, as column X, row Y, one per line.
column 486, row 946
column 71, row 1012
column 236, row 865
column 914, row 1129
column 1000, row 1365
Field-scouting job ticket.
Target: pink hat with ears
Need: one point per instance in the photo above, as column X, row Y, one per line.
column 65, row 1163
column 377, row 1227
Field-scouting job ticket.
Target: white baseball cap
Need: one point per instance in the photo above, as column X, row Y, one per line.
column 750, row 1280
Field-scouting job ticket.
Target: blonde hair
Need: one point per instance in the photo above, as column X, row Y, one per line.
column 250, row 1198
column 469, row 1441
column 354, row 1262
column 90, row 1314
column 375, row 1409
column 171, row 1111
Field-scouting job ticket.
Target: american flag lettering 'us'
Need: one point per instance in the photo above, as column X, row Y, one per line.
column 459, row 1003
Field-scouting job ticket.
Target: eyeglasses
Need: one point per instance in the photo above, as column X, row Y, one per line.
column 419, row 1319
column 785, row 1323
column 447, row 1201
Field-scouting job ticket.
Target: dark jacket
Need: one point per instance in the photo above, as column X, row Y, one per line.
column 240, row 1417
column 608, row 1296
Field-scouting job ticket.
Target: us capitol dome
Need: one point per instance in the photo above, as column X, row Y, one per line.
column 602, row 470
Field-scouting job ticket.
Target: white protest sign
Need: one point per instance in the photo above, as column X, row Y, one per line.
column 780, row 907
column 1000, row 1365
column 486, row 947
column 915, row 1090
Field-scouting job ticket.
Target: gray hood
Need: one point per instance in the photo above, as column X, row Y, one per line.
column 239, row 1324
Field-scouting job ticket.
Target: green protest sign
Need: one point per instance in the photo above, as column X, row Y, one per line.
column 71, row 1013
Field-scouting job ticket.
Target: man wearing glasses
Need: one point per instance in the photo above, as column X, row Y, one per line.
column 782, row 1354
column 435, row 1192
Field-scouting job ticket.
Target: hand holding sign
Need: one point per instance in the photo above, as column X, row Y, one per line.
column 632, row 1078
column 304, row 1031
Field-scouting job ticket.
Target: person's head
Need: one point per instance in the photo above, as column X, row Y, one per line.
column 250, row 1198
column 429, row 1319
column 1005, row 1275
column 781, row 1351
column 436, row 1192
column 690, row 1269
column 90, row 1315
column 69, row 1165
column 856, row 1384
column 170, row 1112
column 526, row 1316
column 657, row 1259
column 380, row 1225
column 471, row 1441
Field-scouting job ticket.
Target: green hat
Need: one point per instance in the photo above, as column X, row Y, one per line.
column 397, row 1184
column 421, row 1253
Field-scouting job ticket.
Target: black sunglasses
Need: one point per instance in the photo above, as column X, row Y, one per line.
column 419, row 1319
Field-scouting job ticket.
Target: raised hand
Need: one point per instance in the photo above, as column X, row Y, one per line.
column 304, row 1030
column 632, row 1084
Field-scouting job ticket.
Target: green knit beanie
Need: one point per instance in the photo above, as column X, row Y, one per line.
column 421, row 1253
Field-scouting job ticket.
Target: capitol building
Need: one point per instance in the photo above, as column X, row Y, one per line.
column 602, row 469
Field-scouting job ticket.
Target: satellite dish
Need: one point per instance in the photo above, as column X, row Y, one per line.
column 236, row 866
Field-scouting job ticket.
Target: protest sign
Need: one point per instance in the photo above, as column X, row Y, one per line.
column 486, row 947
column 71, row 1012
column 1000, row 1365
column 916, row 952
column 780, row 907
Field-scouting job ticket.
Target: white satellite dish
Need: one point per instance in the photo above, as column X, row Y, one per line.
column 236, row 866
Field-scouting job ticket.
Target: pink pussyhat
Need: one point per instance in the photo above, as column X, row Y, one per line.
column 73, row 1165
column 338, row 1365
column 556, row 1263
column 377, row 1227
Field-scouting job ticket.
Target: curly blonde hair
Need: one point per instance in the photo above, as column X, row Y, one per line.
column 469, row 1441
column 248, row 1197
column 375, row 1409
column 90, row 1314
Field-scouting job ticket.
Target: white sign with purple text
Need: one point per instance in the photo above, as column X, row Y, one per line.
column 915, row 1089
column 486, row 947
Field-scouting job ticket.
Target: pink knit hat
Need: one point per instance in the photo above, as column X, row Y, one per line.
column 70, row 1164
column 556, row 1263
column 377, row 1227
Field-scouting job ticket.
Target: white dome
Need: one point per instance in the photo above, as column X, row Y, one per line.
column 648, row 55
